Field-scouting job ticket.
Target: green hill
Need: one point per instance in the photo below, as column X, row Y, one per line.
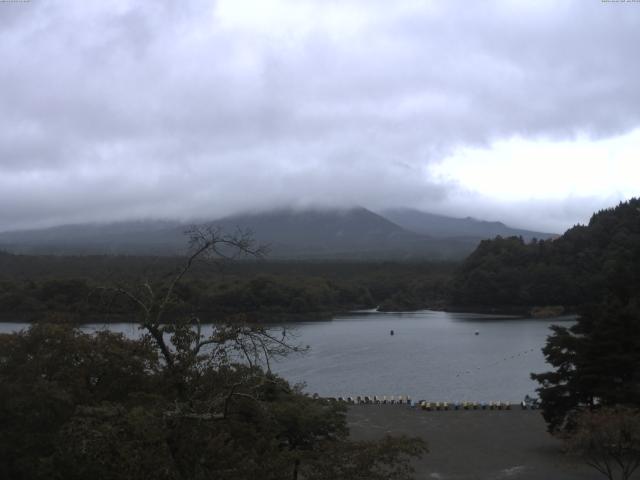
column 577, row 268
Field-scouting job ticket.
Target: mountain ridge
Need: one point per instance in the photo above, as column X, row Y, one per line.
column 444, row 226
column 313, row 233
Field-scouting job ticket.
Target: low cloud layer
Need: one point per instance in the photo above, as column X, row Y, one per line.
column 117, row 110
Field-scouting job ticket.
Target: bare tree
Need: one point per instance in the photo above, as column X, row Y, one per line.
column 181, row 341
column 609, row 440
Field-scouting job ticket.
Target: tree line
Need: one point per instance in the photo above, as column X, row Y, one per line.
column 31, row 287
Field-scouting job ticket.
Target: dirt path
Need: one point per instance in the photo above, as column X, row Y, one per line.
column 474, row 444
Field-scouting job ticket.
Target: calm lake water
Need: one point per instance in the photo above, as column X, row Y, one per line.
column 432, row 355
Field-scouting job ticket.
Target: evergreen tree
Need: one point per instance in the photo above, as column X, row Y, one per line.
column 596, row 361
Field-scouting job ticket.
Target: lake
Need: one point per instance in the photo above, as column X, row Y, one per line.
column 432, row 355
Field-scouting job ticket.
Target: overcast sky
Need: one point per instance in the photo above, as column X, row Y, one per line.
column 525, row 112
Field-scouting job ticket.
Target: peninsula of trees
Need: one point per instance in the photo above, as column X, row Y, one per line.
column 575, row 269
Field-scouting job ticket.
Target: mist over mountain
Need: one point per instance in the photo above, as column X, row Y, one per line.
column 144, row 237
column 443, row 226
column 353, row 233
column 305, row 234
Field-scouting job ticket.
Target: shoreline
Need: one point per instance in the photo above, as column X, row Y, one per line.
column 266, row 318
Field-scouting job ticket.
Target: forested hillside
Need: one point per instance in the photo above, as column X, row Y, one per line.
column 36, row 286
column 577, row 268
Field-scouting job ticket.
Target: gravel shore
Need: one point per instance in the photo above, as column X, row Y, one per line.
column 474, row 444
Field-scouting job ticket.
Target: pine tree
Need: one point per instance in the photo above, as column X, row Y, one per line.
column 596, row 362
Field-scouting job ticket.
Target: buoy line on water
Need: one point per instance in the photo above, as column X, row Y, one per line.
column 497, row 362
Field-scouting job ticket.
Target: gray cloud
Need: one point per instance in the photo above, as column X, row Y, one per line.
column 125, row 109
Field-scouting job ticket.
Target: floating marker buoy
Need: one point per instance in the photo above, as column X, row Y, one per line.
column 477, row 332
column 391, row 332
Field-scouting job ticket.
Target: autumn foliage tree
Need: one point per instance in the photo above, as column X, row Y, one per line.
column 609, row 441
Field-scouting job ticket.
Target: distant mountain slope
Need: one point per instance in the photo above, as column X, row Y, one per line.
column 579, row 267
column 355, row 233
column 149, row 237
column 324, row 229
column 442, row 226
column 352, row 233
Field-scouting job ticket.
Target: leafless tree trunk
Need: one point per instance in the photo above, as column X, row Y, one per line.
column 182, row 341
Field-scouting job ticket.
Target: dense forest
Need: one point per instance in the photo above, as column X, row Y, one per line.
column 572, row 270
column 592, row 394
column 33, row 286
